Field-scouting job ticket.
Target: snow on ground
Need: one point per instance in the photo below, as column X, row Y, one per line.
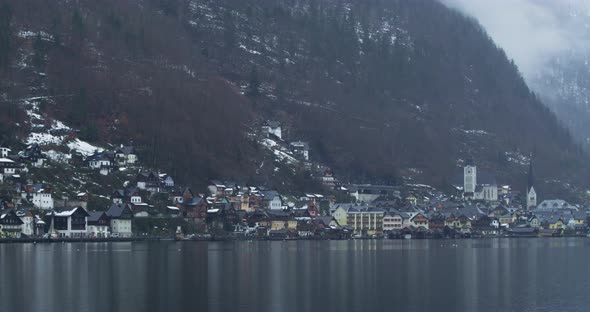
column 58, row 156
column 269, row 143
column 478, row 132
column 44, row 139
column 27, row 34
column 249, row 51
column 473, row 132
column 281, row 154
column 518, row 158
column 83, row 148
column 58, row 125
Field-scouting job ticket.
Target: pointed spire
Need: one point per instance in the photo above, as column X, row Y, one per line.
column 531, row 178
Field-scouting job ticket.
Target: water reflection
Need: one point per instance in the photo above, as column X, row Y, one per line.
column 409, row 275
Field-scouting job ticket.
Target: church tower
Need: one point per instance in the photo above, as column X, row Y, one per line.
column 469, row 178
column 531, row 194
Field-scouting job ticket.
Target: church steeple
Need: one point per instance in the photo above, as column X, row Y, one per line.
column 531, row 178
column 531, row 194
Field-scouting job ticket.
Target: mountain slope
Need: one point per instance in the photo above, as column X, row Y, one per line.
column 375, row 89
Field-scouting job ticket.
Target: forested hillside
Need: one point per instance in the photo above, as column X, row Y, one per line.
column 378, row 88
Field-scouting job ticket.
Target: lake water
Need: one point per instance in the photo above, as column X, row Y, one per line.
column 550, row 274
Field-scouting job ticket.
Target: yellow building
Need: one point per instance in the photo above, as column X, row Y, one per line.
column 341, row 215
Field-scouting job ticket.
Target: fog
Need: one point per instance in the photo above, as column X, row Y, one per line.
column 533, row 32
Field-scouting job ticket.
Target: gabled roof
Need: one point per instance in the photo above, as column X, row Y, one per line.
column 300, row 144
column 272, row 124
column 9, row 214
column 125, row 150
column 69, row 212
column 270, row 195
column 554, row 204
column 94, row 216
column 116, row 210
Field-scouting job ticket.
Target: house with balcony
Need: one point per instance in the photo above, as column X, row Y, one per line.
column 366, row 221
column 10, row 224
column 70, row 223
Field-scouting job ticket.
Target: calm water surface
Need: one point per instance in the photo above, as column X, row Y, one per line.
column 412, row 275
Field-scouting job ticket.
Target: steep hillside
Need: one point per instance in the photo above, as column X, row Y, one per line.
column 378, row 88
column 564, row 82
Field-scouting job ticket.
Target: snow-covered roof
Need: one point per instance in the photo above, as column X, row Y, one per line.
column 173, row 208
column 6, row 160
column 65, row 213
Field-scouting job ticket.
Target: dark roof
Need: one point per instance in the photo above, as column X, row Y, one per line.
column 125, row 150
column 98, row 156
column 94, row 216
column 269, row 195
column 116, row 210
column 272, row 124
column 300, row 144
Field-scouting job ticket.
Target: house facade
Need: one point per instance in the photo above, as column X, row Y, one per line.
column 42, row 200
column 98, row 224
column 125, row 156
column 121, row 217
column 10, row 224
column 419, row 220
column 272, row 200
column 272, row 128
column 392, row 221
column 366, row 222
column 68, row 223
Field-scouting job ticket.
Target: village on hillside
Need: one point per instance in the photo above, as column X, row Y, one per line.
column 151, row 204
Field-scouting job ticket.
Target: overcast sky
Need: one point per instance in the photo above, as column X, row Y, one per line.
column 532, row 31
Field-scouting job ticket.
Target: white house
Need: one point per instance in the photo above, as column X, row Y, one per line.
column 125, row 156
column 8, row 167
column 300, row 149
column 272, row 128
column 28, row 227
column 68, row 223
column 135, row 199
column 42, row 200
column 98, row 224
column 272, row 200
column 121, row 216
column 98, row 161
column 4, row 151
column 166, row 180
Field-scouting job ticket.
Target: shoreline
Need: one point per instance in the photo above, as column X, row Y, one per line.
column 233, row 239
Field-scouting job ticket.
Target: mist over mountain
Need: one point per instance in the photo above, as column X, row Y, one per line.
column 550, row 43
column 380, row 89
